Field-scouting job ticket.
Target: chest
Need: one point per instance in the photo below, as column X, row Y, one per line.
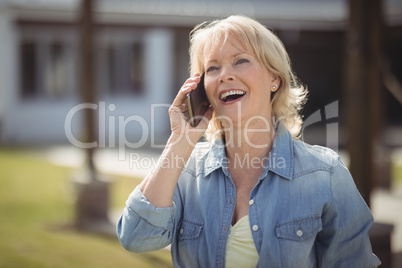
column 276, row 209
column 243, row 187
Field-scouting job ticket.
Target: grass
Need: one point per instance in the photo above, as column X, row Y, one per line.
column 36, row 200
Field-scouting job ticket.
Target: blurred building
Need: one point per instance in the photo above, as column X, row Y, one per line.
column 142, row 60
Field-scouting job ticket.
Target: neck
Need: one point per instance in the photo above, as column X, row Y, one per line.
column 249, row 144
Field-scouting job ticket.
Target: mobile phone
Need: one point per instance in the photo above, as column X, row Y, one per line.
column 197, row 103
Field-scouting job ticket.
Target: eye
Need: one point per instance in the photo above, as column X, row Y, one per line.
column 212, row 68
column 240, row 61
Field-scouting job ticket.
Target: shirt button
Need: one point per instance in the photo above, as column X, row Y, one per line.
column 251, row 202
column 231, row 201
column 299, row 233
column 225, row 229
column 181, row 231
column 255, row 227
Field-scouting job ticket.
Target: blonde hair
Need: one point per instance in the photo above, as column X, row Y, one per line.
column 290, row 97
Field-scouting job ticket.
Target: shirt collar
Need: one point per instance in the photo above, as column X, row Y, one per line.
column 216, row 157
column 280, row 160
column 281, row 157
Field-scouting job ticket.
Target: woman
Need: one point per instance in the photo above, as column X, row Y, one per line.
column 253, row 195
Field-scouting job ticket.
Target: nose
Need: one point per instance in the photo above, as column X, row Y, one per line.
column 226, row 75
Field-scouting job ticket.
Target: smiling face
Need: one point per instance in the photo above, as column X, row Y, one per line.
column 237, row 84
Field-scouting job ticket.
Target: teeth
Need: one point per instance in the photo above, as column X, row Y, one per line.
column 232, row 92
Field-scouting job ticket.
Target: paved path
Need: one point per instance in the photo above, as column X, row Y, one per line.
column 135, row 163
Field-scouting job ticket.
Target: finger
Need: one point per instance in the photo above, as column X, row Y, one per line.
column 180, row 111
column 183, row 107
column 189, row 85
column 181, row 96
column 191, row 80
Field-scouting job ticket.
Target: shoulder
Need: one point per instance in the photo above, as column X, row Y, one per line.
column 310, row 158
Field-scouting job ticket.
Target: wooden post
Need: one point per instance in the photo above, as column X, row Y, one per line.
column 365, row 109
column 92, row 189
column 87, row 76
column 363, row 91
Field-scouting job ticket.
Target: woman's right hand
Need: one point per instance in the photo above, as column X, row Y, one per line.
column 158, row 187
column 180, row 118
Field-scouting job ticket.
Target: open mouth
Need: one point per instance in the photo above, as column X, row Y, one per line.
column 232, row 95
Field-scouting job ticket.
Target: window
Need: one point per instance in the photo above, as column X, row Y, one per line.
column 28, row 67
column 121, row 68
column 137, row 68
column 110, row 63
column 45, row 69
column 47, row 58
column 56, row 71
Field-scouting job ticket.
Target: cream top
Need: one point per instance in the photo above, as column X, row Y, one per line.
column 240, row 248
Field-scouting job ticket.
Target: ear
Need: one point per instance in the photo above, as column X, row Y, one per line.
column 276, row 83
column 275, row 79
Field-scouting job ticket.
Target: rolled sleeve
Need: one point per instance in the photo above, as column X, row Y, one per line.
column 158, row 217
column 143, row 227
column 344, row 240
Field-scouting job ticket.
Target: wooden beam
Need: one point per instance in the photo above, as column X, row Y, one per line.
column 363, row 91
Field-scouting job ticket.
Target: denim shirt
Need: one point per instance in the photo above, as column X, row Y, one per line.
column 304, row 211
